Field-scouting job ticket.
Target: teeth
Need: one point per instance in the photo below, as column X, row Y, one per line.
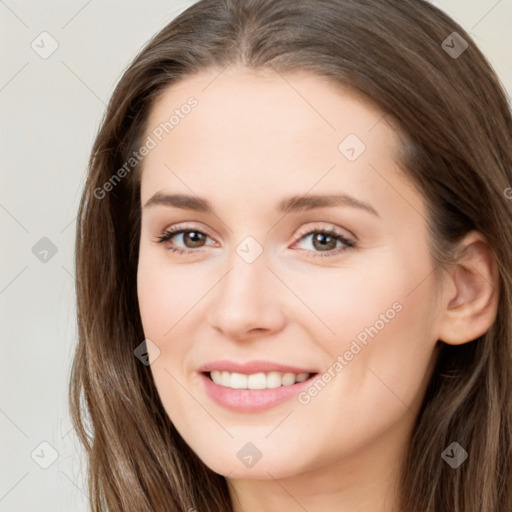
column 256, row 380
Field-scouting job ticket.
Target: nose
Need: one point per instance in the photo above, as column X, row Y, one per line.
column 248, row 301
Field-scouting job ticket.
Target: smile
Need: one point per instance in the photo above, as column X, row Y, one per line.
column 255, row 392
column 259, row 380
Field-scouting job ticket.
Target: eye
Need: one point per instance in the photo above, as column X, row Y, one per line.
column 194, row 237
column 325, row 240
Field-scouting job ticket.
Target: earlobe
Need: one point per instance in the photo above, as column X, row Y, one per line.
column 471, row 304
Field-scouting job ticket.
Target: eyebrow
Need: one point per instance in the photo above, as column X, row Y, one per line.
column 288, row 205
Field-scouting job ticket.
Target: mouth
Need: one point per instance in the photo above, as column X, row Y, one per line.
column 260, row 380
column 251, row 393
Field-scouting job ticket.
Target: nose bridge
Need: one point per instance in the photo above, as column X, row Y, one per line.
column 247, row 276
column 245, row 299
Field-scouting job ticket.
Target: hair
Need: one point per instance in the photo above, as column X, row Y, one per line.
column 455, row 124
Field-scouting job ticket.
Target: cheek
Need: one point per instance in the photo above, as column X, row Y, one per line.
column 164, row 300
column 381, row 323
column 153, row 298
column 379, row 289
column 345, row 300
column 378, row 367
column 171, row 299
column 384, row 351
column 166, row 293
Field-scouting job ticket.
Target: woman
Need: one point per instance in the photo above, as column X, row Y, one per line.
column 293, row 275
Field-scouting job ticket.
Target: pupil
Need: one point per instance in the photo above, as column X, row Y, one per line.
column 323, row 240
column 194, row 236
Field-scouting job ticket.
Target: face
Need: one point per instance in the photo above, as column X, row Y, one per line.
column 280, row 242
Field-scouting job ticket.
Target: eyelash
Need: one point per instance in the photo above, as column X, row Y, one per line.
column 349, row 243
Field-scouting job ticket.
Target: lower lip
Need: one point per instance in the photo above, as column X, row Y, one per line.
column 251, row 400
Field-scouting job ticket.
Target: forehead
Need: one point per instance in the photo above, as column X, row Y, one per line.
column 251, row 130
column 265, row 101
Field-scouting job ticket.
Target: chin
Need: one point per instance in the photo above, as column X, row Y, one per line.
column 266, row 468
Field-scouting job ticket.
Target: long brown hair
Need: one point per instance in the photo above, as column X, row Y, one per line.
column 456, row 125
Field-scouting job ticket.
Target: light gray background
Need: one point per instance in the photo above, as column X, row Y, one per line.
column 51, row 109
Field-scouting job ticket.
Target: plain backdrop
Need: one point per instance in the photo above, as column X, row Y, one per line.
column 50, row 112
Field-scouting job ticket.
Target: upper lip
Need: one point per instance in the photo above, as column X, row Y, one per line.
column 251, row 367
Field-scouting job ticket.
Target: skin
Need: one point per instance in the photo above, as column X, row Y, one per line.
column 254, row 139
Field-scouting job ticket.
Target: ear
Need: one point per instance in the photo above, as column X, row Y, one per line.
column 470, row 301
